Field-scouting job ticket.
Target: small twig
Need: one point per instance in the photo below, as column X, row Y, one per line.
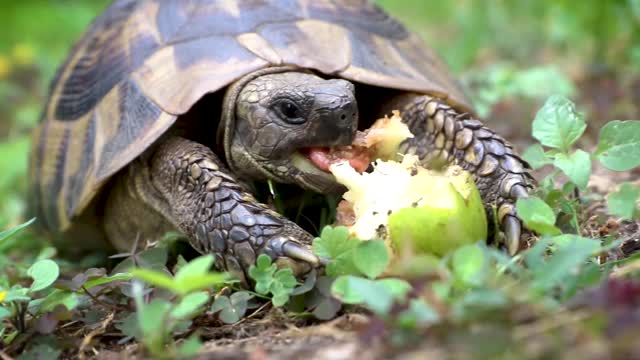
column 87, row 339
column 253, row 313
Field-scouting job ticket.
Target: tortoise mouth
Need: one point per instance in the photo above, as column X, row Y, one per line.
column 323, row 157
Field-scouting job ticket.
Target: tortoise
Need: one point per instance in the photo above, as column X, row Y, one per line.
column 165, row 110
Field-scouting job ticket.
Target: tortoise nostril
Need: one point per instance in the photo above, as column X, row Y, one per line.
column 343, row 116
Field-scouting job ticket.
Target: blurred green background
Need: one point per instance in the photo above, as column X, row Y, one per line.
column 510, row 55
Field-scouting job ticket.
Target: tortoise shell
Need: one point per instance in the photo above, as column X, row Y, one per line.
column 144, row 63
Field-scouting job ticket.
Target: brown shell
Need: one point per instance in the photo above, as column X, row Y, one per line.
column 143, row 63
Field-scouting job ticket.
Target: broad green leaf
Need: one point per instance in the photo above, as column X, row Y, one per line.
column 196, row 267
column 342, row 265
column 419, row 313
column 17, row 293
column 43, row 273
column 263, row 273
column 557, row 124
column 576, row 166
column 398, row 288
column 190, row 347
column 156, row 278
column 572, row 252
column 335, row 245
column 343, row 289
column 624, row 202
column 70, row 300
column 106, row 279
column 537, row 215
column 619, row 145
column 196, row 282
column 534, row 256
column 150, row 317
column 483, row 298
column 282, row 286
column 334, row 242
column 7, row 234
column 356, row 290
column 308, row 285
column 468, row 263
column 154, row 258
column 371, row 257
column 377, row 295
column 536, row 156
column 189, row 305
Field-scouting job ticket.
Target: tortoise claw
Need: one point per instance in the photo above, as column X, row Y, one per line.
column 518, row 191
column 298, row 252
column 287, row 247
column 512, row 232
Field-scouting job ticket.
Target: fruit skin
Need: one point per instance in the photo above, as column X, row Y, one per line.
column 451, row 215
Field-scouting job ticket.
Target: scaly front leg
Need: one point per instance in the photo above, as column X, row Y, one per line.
column 185, row 185
column 443, row 135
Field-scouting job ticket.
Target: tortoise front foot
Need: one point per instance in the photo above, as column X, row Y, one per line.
column 200, row 197
column 444, row 135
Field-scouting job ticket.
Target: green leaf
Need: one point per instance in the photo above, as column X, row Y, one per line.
column 619, row 145
column 190, row 305
column 398, row 288
column 150, row 317
column 7, row 234
column 624, row 202
column 280, row 283
column 572, row 252
column 468, row 263
column 282, row 286
column 232, row 308
column 263, row 273
column 106, row 279
column 190, row 347
column 43, row 273
column 17, row 293
column 557, row 124
column 196, row 267
column 196, row 282
column 537, row 215
column 576, row 166
column 356, row 290
column 156, row 278
column 418, row 313
column 371, row 258
column 377, row 295
column 536, row 157
column 68, row 299
column 334, row 244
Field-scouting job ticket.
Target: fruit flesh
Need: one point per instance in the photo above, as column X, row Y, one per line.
column 405, row 204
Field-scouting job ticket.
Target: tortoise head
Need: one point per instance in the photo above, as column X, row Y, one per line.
column 277, row 117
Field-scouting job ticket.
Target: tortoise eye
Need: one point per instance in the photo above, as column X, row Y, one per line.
column 290, row 112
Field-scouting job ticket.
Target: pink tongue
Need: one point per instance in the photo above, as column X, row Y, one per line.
column 322, row 160
column 319, row 157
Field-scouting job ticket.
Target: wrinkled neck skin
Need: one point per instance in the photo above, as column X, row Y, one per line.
column 272, row 115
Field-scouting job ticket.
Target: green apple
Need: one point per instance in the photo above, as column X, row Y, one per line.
column 413, row 208
column 450, row 214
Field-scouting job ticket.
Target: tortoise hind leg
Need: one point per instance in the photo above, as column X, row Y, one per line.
column 443, row 135
column 183, row 185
